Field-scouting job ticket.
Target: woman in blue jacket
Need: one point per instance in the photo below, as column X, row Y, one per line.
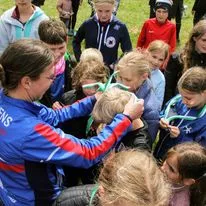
column 32, row 149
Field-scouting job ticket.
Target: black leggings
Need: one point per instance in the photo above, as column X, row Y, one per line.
column 75, row 7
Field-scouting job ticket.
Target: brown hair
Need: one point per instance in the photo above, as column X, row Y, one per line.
column 91, row 69
column 25, row 57
column 191, row 162
column 109, row 104
column 135, row 61
column 52, row 31
column 133, row 176
column 193, row 80
column 197, row 32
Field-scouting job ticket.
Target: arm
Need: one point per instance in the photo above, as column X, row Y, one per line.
column 160, row 91
column 172, row 41
column 126, row 44
column 76, row 43
column 4, row 40
column 46, row 144
column 78, row 109
column 142, row 37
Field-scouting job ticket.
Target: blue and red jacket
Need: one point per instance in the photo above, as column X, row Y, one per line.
column 32, row 148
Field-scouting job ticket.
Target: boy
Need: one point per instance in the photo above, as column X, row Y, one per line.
column 54, row 34
column 159, row 28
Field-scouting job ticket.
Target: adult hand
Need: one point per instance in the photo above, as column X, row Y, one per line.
column 133, row 108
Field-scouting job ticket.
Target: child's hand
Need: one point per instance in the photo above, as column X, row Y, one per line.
column 134, row 108
column 174, row 131
column 163, row 123
column 57, row 105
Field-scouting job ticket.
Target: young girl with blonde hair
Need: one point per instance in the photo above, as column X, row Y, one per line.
column 107, row 33
column 158, row 53
column 134, row 72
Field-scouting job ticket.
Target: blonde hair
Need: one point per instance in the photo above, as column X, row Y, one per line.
column 91, row 69
column 91, row 54
column 133, row 176
column 157, row 45
column 110, row 103
column 95, row 2
column 135, row 61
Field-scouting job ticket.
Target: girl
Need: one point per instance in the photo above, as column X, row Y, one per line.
column 158, row 53
column 193, row 54
column 128, row 178
column 107, row 33
column 185, row 167
column 183, row 118
column 86, row 72
column 21, row 21
column 134, row 70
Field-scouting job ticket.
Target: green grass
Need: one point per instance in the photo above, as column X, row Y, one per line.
column 131, row 12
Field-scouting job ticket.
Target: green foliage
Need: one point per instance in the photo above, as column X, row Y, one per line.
column 131, row 12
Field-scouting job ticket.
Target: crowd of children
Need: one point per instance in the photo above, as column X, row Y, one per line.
column 71, row 134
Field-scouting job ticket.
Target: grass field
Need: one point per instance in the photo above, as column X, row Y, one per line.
column 131, row 12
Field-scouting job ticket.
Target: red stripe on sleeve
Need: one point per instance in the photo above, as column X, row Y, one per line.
column 83, row 148
column 13, row 168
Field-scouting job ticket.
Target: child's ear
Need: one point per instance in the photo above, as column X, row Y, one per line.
column 188, row 181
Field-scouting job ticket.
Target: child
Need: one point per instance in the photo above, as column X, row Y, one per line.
column 21, row 21
column 185, row 167
column 64, row 7
column 158, row 53
column 134, row 70
column 159, row 28
column 86, row 72
column 54, row 34
column 184, row 118
column 104, row 32
column 128, row 178
column 111, row 103
column 91, row 54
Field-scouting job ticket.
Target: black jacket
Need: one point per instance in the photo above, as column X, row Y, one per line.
column 105, row 38
column 174, row 70
column 77, row 196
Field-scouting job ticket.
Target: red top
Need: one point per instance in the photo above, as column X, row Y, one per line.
column 153, row 30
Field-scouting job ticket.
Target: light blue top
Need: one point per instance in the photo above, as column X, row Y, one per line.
column 11, row 29
column 158, row 83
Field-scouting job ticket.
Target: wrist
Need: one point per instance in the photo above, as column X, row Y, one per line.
column 128, row 116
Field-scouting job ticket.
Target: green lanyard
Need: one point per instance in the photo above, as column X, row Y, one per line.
column 94, row 191
column 183, row 117
column 103, row 87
